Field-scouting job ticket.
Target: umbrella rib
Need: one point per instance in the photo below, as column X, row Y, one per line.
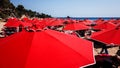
column 30, row 48
column 66, row 45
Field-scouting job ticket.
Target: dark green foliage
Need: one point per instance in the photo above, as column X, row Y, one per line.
column 4, row 4
column 8, row 9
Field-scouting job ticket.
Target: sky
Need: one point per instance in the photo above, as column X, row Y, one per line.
column 73, row 8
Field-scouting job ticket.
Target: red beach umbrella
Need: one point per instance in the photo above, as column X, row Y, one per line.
column 45, row 49
column 56, row 22
column 12, row 22
column 76, row 26
column 107, row 36
column 25, row 24
column 105, row 25
column 25, row 19
column 87, row 22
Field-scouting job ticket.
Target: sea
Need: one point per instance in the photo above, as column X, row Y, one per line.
column 90, row 18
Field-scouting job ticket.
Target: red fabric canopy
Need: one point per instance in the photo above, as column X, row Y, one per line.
column 12, row 22
column 46, row 49
column 76, row 26
column 56, row 22
column 107, row 36
column 87, row 22
column 105, row 25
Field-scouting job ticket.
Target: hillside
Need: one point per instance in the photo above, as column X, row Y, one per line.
column 8, row 9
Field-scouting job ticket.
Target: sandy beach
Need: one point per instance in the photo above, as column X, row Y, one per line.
column 1, row 25
column 112, row 51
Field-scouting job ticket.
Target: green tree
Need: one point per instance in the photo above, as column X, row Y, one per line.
column 8, row 9
column 4, row 3
column 20, row 10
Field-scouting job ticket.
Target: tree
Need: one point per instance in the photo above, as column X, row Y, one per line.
column 4, row 3
column 11, row 6
column 8, row 9
column 20, row 10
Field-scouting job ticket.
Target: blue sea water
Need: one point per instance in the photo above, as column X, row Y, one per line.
column 91, row 18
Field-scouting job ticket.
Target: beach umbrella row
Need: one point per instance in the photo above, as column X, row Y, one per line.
column 109, row 33
column 42, row 23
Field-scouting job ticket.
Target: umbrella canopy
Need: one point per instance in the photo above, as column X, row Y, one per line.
column 56, row 22
column 88, row 22
column 76, row 26
column 12, row 22
column 104, row 25
column 46, row 49
column 107, row 36
column 25, row 24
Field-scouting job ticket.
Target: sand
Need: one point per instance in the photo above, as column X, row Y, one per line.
column 112, row 51
column 1, row 25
